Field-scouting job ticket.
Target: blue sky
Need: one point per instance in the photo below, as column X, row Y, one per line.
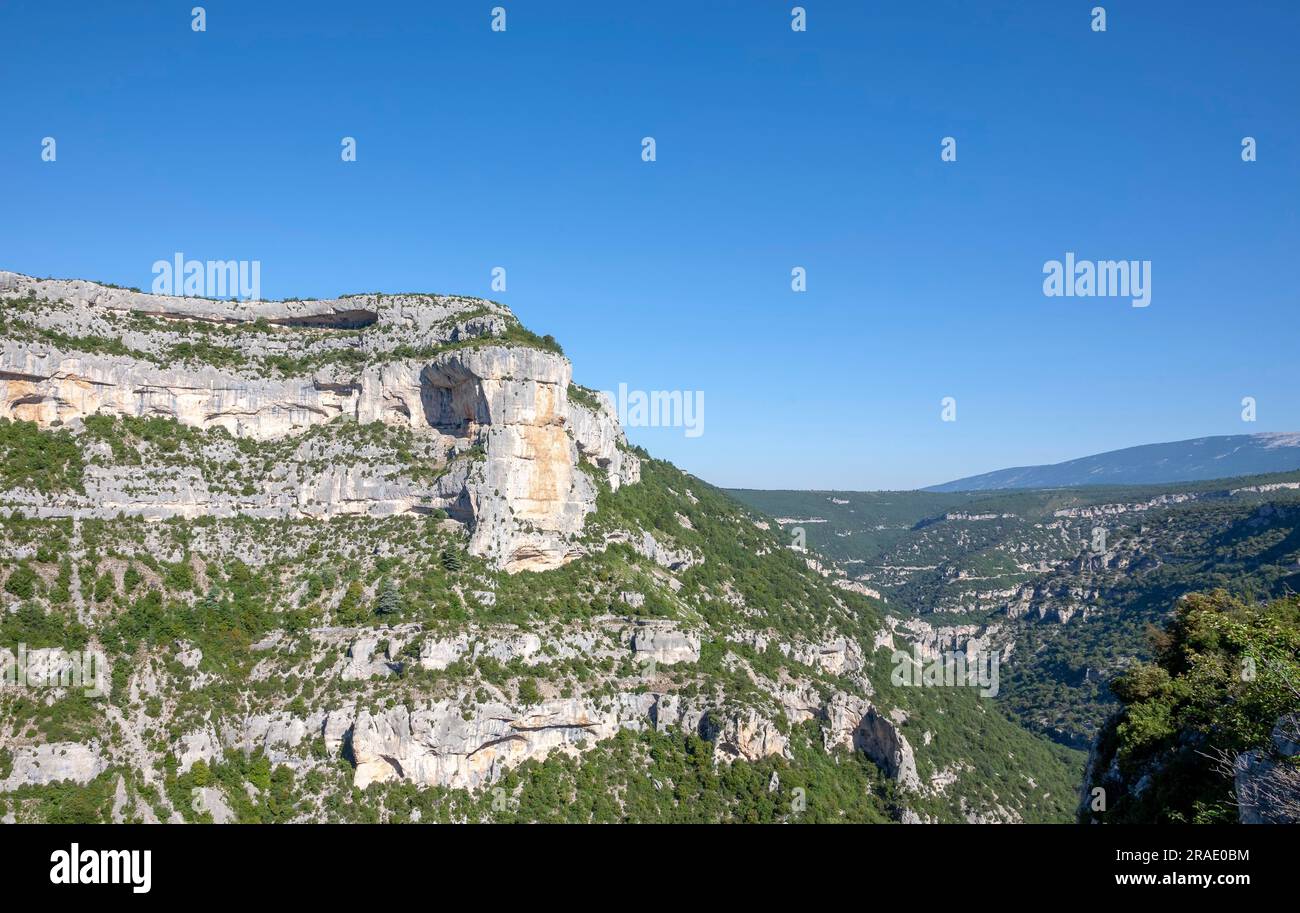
column 774, row 149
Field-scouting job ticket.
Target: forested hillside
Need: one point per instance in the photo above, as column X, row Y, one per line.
column 1072, row 578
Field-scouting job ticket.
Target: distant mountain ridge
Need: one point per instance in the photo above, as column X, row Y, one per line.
column 1024, row 567
column 1193, row 460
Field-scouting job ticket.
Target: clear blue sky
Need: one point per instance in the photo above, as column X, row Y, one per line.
column 775, row 149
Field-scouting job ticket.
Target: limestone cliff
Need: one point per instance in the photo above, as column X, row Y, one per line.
column 490, row 401
column 287, row 531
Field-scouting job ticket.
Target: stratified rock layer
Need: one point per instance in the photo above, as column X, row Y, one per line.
column 513, row 440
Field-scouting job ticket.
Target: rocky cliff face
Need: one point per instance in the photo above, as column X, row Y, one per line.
column 490, row 401
column 468, row 742
column 289, row 532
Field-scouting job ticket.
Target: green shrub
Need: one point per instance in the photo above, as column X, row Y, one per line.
column 1224, row 673
column 23, row 582
column 47, row 461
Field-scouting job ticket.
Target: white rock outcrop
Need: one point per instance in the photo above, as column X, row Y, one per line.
column 855, row 722
column 665, row 644
column 439, row 746
column 54, row 762
column 501, row 412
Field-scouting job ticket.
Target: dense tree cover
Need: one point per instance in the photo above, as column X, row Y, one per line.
column 871, row 525
column 272, row 799
column 351, row 608
column 1001, row 764
column 1223, row 672
column 47, row 461
column 22, row 582
column 63, row 803
column 37, row 629
column 738, row 555
column 1242, row 536
column 223, row 623
column 74, row 717
column 652, row 777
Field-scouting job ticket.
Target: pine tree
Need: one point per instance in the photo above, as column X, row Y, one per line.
column 390, row 601
column 529, row 693
column 210, row 603
column 450, row 560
